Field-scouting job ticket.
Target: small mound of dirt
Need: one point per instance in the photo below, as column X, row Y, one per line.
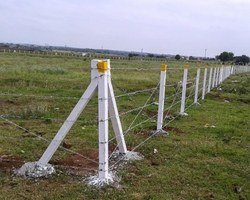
column 174, row 129
column 4, row 103
column 9, row 162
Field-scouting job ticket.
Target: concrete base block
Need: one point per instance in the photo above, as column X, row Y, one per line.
column 160, row 132
column 97, row 182
column 183, row 114
column 197, row 104
column 130, row 155
column 33, row 170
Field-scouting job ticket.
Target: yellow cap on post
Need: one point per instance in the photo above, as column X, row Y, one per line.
column 186, row 66
column 102, row 66
column 198, row 65
column 164, row 67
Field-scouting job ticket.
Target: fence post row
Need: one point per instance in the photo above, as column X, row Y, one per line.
column 184, row 88
column 107, row 107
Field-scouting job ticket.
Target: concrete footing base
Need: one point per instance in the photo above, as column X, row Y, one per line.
column 160, row 132
column 183, row 114
column 33, row 170
column 97, row 182
column 197, row 104
column 130, row 155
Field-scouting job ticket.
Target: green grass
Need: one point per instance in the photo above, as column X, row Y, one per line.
column 193, row 162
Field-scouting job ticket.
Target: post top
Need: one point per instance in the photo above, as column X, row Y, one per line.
column 94, row 63
column 164, row 67
column 102, row 66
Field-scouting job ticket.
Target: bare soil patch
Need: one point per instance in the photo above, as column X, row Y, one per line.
column 10, row 162
column 4, row 103
column 174, row 129
column 77, row 164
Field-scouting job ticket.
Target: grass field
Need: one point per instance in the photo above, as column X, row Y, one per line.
column 206, row 155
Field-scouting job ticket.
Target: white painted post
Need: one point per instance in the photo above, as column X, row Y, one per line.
column 115, row 119
column 103, row 120
column 197, row 82
column 53, row 146
column 227, row 72
column 218, row 76
column 204, row 84
column 210, row 79
column 161, row 98
column 184, row 88
column 225, row 69
column 214, row 75
column 231, row 70
column 221, row 74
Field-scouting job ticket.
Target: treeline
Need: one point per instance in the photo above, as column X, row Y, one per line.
column 229, row 57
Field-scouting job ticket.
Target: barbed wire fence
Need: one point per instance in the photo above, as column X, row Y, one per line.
column 171, row 101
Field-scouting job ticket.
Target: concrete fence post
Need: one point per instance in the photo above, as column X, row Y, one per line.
column 161, row 98
column 214, row 75
column 221, row 74
column 210, row 79
column 197, row 82
column 103, row 120
column 204, row 84
column 184, row 88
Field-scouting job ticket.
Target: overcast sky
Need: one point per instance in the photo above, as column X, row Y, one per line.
column 187, row 27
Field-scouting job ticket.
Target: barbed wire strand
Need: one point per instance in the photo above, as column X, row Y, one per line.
column 131, row 124
column 46, row 140
column 143, row 142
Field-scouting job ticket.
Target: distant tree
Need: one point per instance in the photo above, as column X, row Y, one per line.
column 241, row 60
column 160, row 56
column 177, row 57
column 245, row 59
column 226, row 56
column 192, row 58
column 132, row 55
column 150, row 55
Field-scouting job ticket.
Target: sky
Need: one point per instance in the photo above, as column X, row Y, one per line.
column 185, row 27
